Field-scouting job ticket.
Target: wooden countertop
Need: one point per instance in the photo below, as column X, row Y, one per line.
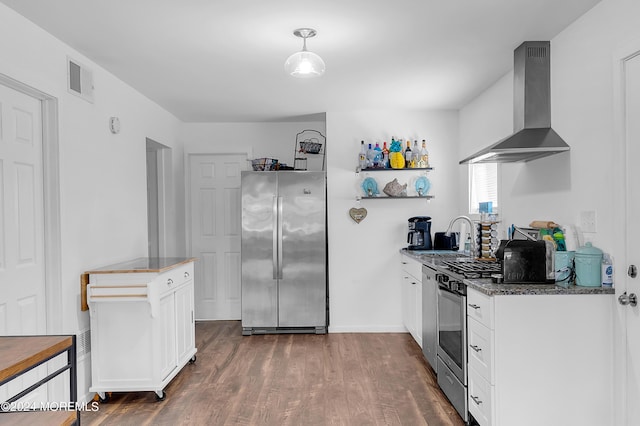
column 143, row 264
column 139, row 265
column 20, row 352
column 40, row 418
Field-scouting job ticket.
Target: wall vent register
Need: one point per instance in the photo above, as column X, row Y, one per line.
column 79, row 80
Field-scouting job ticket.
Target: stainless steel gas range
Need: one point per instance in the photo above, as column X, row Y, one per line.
column 452, row 327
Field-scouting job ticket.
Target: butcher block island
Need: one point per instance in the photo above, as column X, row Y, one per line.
column 142, row 324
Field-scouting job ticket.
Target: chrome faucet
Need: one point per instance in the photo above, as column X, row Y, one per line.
column 472, row 247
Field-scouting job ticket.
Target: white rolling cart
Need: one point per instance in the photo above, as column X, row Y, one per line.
column 142, row 324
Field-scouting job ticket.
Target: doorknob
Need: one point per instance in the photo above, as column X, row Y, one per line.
column 632, row 271
column 630, row 299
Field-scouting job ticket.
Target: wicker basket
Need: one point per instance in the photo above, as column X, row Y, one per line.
column 310, row 147
column 264, row 164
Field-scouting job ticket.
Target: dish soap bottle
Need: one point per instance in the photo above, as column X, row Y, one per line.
column 607, row 271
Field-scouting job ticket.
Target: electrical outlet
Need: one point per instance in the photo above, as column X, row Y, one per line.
column 588, row 221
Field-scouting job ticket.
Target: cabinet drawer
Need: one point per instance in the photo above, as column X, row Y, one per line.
column 480, row 340
column 411, row 267
column 480, row 307
column 480, row 398
column 175, row 277
column 452, row 388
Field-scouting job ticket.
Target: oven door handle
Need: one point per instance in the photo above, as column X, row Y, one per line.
column 448, row 290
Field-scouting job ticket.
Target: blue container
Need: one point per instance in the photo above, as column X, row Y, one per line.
column 588, row 266
column 564, row 266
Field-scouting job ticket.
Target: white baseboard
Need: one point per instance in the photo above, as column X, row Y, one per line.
column 367, row 329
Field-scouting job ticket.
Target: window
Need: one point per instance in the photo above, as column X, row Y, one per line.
column 483, row 185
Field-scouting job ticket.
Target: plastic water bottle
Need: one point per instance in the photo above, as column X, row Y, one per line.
column 607, row 271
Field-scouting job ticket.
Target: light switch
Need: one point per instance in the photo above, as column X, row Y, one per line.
column 588, row 221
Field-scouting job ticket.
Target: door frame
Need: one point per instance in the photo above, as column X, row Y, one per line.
column 620, row 191
column 51, row 186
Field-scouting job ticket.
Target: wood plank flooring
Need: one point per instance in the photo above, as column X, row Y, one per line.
column 291, row 379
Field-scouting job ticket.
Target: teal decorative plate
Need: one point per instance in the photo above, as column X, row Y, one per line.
column 422, row 186
column 370, row 187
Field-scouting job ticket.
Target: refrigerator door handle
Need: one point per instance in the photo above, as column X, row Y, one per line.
column 275, row 238
column 280, row 219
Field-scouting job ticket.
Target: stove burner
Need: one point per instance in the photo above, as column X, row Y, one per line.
column 474, row 269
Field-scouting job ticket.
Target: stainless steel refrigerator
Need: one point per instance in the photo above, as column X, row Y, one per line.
column 284, row 252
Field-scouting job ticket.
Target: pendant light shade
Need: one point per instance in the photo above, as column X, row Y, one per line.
column 304, row 64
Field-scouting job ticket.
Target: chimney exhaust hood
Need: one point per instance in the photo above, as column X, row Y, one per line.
column 533, row 136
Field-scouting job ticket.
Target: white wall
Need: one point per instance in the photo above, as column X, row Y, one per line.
column 484, row 121
column 257, row 140
column 102, row 176
column 364, row 263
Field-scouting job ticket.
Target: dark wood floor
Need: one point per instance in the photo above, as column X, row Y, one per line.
column 291, row 379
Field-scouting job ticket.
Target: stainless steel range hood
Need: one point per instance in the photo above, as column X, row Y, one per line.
column 533, row 136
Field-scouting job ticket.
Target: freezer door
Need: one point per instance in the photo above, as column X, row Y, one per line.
column 302, row 269
column 259, row 263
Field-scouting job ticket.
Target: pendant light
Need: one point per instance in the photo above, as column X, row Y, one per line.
column 304, row 64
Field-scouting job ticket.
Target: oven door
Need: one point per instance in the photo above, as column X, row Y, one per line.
column 452, row 332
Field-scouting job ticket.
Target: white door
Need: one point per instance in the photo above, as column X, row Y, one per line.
column 215, row 233
column 22, row 263
column 632, row 285
column 22, row 283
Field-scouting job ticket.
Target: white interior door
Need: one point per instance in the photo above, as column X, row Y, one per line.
column 22, row 262
column 22, row 283
column 214, row 186
column 632, row 285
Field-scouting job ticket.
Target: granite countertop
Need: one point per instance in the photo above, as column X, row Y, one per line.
column 143, row 264
column 485, row 285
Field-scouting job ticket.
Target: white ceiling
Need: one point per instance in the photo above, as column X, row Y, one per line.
column 222, row 60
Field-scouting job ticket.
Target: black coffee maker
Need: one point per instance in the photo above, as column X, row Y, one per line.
column 419, row 236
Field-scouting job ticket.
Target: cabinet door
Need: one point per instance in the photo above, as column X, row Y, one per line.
column 408, row 306
column 480, row 350
column 480, row 398
column 167, row 325
column 412, row 298
column 184, row 321
column 429, row 315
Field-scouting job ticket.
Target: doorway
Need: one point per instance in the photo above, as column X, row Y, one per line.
column 627, row 193
column 214, row 206
column 158, row 179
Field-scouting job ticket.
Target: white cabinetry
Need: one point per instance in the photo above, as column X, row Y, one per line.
column 540, row 359
column 142, row 326
column 412, row 297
